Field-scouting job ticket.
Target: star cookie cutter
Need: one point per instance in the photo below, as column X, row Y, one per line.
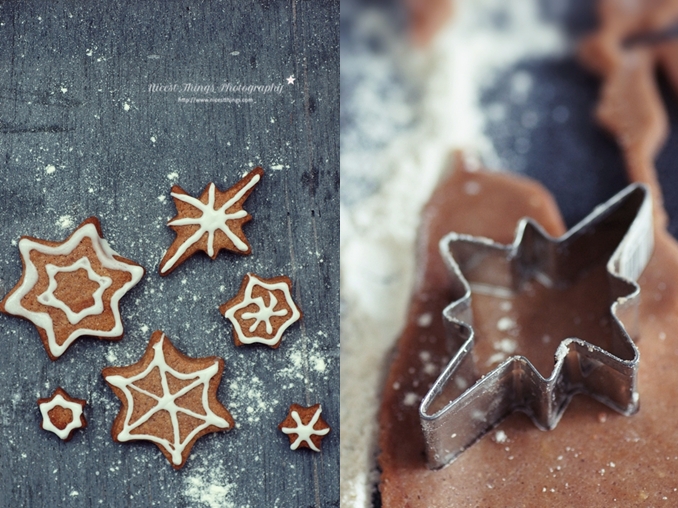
column 462, row 406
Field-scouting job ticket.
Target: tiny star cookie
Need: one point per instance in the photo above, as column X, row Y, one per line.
column 169, row 399
column 72, row 288
column 62, row 414
column 305, row 427
column 211, row 222
column 261, row 311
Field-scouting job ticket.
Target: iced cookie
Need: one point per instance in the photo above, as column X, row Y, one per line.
column 72, row 288
column 211, row 222
column 305, row 427
column 62, row 414
column 262, row 310
column 169, row 399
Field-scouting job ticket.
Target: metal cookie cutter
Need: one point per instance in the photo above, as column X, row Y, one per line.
column 462, row 406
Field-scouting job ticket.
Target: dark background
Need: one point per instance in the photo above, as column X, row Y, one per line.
column 81, row 135
column 575, row 159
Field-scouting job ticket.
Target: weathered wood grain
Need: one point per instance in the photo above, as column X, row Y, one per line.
column 81, row 135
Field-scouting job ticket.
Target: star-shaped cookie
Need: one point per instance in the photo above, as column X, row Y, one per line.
column 262, row 310
column 209, row 223
column 72, row 288
column 62, row 414
column 169, row 399
column 305, row 427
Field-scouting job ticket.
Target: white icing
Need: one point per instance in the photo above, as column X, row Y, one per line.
column 48, row 297
column 167, row 402
column 42, row 319
column 304, row 432
column 264, row 313
column 76, row 410
column 210, row 221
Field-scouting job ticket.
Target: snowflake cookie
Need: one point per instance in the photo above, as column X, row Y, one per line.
column 262, row 310
column 72, row 288
column 211, row 222
column 305, row 427
column 62, row 414
column 169, row 399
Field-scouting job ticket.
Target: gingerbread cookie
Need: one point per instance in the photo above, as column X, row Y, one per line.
column 305, row 427
column 262, row 310
column 72, row 288
column 62, row 414
column 169, row 399
column 211, row 222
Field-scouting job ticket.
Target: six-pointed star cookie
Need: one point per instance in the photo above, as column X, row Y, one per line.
column 262, row 310
column 169, row 399
column 305, row 427
column 62, row 414
column 72, row 288
column 211, row 222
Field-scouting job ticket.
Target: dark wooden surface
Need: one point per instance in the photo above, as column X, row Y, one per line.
column 81, row 135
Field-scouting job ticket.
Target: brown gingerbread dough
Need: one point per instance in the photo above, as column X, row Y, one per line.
column 427, row 17
column 594, row 457
column 630, row 105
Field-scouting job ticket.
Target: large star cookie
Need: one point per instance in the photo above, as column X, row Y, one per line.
column 62, row 414
column 72, row 288
column 211, row 222
column 305, row 427
column 262, row 310
column 169, row 399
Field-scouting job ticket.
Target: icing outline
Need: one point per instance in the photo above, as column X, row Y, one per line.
column 59, row 400
column 303, row 431
column 266, row 311
column 105, row 255
column 167, row 403
column 211, row 220
column 49, row 298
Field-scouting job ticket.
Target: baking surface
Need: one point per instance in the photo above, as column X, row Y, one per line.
column 531, row 114
column 81, row 134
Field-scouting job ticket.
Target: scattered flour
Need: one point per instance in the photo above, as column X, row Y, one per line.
column 318, row 364
column 65, row 222
column 111, row 357
column 506, row 323
column 507, row 346
column 425, row 320
column 207, row 488
column 410, row 399
column 392, row 156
